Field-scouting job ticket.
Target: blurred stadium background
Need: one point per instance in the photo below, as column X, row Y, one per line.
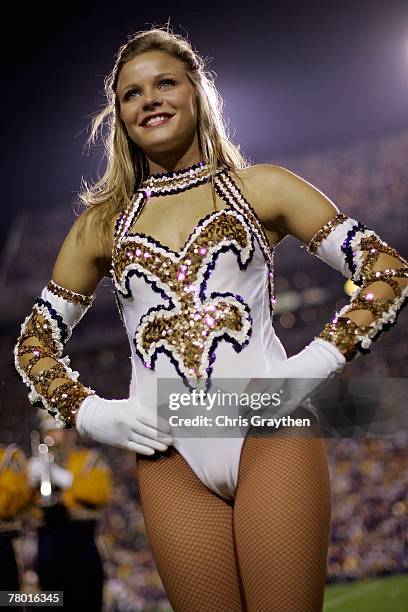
column 367, row 180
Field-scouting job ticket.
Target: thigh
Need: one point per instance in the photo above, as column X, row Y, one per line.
column 190, row 532
column 282, row 520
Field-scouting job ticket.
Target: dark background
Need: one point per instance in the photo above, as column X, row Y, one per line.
column 295, row 76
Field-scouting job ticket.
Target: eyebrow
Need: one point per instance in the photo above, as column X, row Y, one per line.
column 156, row 78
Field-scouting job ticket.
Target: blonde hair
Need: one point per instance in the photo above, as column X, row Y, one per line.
column 127, row 164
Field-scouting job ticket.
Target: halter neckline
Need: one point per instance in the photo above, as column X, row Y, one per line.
column 167, row 183
column 174, row 173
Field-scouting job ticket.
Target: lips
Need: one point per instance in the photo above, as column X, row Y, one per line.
column 156, row 119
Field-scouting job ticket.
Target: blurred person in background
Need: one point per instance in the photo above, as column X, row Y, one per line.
column 15, row 496
column 73, row 484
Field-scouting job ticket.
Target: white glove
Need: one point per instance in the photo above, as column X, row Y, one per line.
column 302, row 375
column 123, row 423
column 37, row 470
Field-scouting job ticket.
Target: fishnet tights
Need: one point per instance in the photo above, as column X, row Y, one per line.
column 266, row 552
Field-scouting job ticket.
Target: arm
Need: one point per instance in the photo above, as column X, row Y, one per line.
column 347, row 245
column 293, row 206
column 80, row 266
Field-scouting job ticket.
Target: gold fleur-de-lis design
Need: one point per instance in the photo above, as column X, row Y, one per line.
column 190, row 327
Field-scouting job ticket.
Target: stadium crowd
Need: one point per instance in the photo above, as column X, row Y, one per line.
column 369, row 507
column 369, row 476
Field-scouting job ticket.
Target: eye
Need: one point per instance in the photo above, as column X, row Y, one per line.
column 129, row 94
column 164, row 82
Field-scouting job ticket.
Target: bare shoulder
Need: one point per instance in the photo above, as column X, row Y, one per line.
column 267, row 183
column 260, row 185
column 85, row 235
column 257, row 179
column 84, row 258
column 285, row 201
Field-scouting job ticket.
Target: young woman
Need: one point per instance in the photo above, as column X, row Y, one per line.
column 186, row 230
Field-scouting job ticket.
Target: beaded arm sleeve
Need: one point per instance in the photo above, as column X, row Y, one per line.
column 43, row 336
column 350, row 247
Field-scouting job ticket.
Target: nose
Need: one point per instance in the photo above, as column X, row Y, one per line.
column 151, row 101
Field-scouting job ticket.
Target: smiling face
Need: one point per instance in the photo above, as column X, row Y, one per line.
column 158, row 107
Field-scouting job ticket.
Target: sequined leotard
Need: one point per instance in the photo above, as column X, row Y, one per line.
column 205, row 311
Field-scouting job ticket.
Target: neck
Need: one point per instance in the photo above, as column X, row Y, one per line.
column 173, row 165
column 167, row 183
column 171, row 161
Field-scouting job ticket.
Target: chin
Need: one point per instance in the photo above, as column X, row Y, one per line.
column 166, row 146
column 169, row 143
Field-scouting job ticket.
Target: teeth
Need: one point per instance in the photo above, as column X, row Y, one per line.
column 156, row 119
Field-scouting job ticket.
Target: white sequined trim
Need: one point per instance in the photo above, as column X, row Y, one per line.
column 240, row 336
column 358, row 255
column 244, row 253
column 239, row 203
column 387, row 317
column 33, row 395
column 161, row 257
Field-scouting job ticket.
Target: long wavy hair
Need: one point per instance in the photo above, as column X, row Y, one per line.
column 127, row 164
